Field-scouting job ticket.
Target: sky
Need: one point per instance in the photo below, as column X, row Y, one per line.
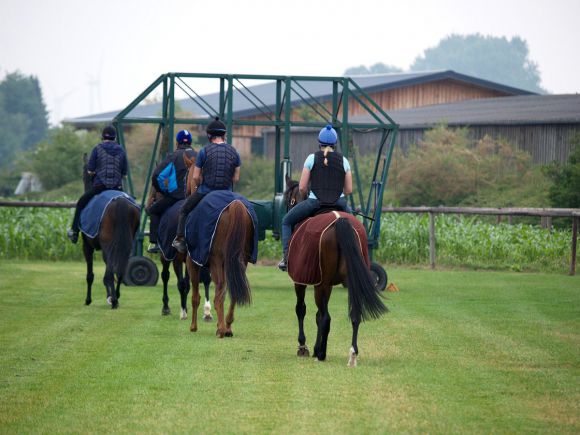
column 97, row 56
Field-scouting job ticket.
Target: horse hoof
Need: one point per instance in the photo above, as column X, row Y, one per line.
column 208, row 318
column 88, row 302
column 114, row 306
column 165, row 312
column 183, row 315
column 303, row 351
column 229, row 334
column 109, row 300
column 352, row 358
column 220, row 334
column 193, row 328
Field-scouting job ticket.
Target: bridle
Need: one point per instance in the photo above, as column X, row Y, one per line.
column 291, row 196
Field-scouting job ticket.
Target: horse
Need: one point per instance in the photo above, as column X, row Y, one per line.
column 341, row 261
column 182, row 279
column 230, row 252
column 119, row 224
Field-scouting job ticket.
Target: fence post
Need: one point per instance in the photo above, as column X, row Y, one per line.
column 432, row 239
column 574, row 243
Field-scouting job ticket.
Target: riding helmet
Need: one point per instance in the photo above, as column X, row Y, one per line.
column 216, row 128
column 183, row 136
column 327, row 136
column 109, row 133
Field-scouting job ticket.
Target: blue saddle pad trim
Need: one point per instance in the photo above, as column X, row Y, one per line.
column 168, row 230
column 201, row 224
column 92, row 214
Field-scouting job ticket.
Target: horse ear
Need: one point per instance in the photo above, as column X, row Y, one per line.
column 288, row 180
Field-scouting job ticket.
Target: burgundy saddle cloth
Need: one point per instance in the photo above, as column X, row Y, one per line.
column 304, row 249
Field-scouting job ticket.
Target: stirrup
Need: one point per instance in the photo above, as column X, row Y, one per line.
column 179, row 244
column 153, row 248
column 282, row 265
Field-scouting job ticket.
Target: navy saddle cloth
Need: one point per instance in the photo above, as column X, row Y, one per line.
column 168, row 229
column 93, row 213
column 201, row 224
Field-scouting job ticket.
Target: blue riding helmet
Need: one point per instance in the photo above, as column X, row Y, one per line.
column 328, row 136
column 183, row 136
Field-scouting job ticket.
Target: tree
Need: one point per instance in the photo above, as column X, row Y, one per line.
column 377, row 68
column 59, row 159
column 23, row 116
column 565, row 189
column 488, row 57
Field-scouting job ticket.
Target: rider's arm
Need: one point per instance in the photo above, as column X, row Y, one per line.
column 236, row 176
column 196, row 176
column 347, row 183
column 304, row 180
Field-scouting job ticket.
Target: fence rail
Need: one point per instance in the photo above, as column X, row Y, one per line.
column 573, row 213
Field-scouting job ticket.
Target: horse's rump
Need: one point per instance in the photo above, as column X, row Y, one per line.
column 94, row 213
column 201, row 224
column 304, row 251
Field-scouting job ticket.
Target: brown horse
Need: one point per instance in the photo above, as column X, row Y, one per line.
column 119, row 224
column 341, row 261
column 230, row 252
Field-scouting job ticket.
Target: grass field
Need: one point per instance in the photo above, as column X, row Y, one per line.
column 460, row 352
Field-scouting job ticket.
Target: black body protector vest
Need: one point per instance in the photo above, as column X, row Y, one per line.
column 181, row 170
column 327, row 181
column 220, row 165
column 109, row 168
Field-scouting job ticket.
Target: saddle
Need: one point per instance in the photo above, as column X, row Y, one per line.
column 304, row 249
column 92, row 214
column 201, row 224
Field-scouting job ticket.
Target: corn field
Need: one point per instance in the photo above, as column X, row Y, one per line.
column 470, row 242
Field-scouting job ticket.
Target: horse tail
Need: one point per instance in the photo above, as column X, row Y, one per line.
column 122, row 241
column 364, row 301
column 236, row 257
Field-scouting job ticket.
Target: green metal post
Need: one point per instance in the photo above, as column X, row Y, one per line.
column 171, row 120
column 230, row 124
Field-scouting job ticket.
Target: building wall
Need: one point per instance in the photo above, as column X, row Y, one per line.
column 437, row 92
column 545, row 143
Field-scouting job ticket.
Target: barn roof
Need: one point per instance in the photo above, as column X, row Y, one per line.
column 517, row 110
column 266, row 92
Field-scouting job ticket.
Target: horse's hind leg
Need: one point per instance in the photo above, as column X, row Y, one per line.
column 88, row 252
column 300, row 314
column 218, row 302
column 206, row 279
column 193, row 271
column 109, row 282
column 165, row 311
column 230, row 320
column 352, row 356
column 322, row 296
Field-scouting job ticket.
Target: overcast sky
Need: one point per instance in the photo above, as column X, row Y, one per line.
column 95, row 56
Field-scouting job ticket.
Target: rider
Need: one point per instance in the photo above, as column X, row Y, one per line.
column 107, row 165
column 171, row 194
column 217, row 168
column 330, row 178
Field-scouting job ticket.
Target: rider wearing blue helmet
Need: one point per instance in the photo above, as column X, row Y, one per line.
column 330, row 179
column 168, row 179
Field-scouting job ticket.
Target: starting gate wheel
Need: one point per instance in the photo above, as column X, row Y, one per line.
column 141, row 271
column 379, row 275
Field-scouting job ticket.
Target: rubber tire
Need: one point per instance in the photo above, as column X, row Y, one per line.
column 379, row 276
column 141, row 271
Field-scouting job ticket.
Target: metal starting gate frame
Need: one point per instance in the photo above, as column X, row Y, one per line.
column 291, row 92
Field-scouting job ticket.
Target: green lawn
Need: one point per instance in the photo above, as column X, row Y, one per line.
column 460, row 352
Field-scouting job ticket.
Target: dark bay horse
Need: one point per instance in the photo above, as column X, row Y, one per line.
column 341, row 262
column 119, row 224
column 178, row 262
column 228, row 259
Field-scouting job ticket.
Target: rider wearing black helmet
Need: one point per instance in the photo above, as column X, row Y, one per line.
column 217, row 168
column 107, row 165
column 171, row 187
